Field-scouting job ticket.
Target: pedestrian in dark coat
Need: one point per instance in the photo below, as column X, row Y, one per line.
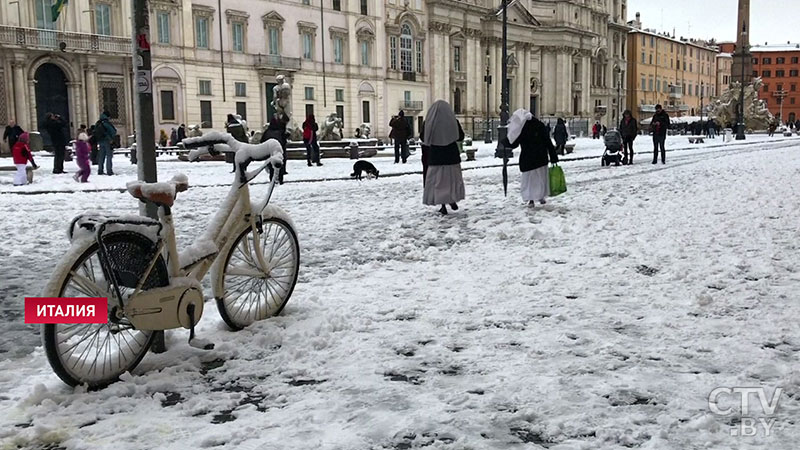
column 628, row 128
column 54, row 125
column 310, row 129
column 181, row 132
column 659, row 126
column 561, row 136
column 277, row 130
column 173, row 137
column 400, row 133
column 93, row 145
column 12, row 133
column 537, row 151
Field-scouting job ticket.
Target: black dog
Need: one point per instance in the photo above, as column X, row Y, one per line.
column 364, row 166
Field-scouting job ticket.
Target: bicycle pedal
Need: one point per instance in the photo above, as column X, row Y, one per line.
column 202, row 344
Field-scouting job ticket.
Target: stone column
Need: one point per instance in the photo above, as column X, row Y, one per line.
column 435, row 70
column 446, row 88
column 92, row 104
column 33, row 123
column 75, row 106
column 20, row 104
column 516, row 102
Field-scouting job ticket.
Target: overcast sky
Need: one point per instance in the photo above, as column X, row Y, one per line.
column 773, row 21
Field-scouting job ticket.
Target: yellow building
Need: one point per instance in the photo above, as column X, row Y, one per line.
column 680, row 74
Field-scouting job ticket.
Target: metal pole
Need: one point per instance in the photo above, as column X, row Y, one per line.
column 740, row 123
column 502, row 131
column 221, row 51
column 143, row 106
column 322, row 39
column 488, row 79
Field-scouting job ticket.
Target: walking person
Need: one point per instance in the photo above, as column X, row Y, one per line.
column 22, row 154
column 628, row 128
column 561, row 135
column 54, row 125
column 181, row 132
column 93, row 145
column 277, row 130
column 82, row 152
column 173, row 137
column 443, row 183
column 235, row 129
column 310, row 129
column 537, row 151
column 104, row 134
column 400, row 133
column 12, row 133
column 659, row 125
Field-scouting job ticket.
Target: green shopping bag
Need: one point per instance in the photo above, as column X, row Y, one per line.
column 558, row 185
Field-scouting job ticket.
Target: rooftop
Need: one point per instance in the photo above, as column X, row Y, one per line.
column 787, row 47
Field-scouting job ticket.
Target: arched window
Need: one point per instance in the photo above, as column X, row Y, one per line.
column 406, row 49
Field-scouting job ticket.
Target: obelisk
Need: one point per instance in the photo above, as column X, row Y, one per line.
column 742, row 55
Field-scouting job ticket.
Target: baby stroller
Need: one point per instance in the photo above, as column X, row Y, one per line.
column 613, row 152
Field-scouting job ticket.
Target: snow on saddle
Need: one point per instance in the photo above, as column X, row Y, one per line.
column 159, row 193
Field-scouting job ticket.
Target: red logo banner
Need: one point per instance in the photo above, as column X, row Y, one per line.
column 66, row 310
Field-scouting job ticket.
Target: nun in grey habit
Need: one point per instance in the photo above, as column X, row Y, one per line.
column 443, row 182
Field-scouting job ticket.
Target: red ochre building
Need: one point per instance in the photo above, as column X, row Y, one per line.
column 779, row 68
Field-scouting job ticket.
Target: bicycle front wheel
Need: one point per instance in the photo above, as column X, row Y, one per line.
column 97, row 354
column 252, row 292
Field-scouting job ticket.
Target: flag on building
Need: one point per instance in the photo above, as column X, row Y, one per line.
column 57, row 7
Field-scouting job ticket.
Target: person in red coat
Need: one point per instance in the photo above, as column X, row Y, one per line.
column 22, row 154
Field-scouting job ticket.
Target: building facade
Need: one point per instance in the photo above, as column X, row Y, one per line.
column 362, row 59
column 724, row 67
column 779, row 69
column 680, row 74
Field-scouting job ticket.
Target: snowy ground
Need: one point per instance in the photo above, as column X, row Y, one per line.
column 600, row 321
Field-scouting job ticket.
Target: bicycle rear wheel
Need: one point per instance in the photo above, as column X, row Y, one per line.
column 253, row 293
column 97, row 354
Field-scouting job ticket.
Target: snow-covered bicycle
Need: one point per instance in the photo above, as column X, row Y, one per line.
column 251, row 250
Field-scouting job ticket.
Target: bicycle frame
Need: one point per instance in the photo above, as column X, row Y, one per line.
column 234, row 214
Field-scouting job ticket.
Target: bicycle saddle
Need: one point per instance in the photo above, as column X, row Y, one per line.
column 159, row 193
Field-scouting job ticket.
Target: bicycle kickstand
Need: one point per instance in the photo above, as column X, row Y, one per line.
column 202, row 344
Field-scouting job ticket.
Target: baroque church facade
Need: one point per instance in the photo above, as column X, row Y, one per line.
column 362, row 59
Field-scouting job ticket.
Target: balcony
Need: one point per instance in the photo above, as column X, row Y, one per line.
column 411, row 105
column 601, row 110
column 66, row 41
column 277, row 62
column 577, row 87
column 409, row 76
column 456, row 76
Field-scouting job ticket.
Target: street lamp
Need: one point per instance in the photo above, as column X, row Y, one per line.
column 740, row 111
column 488, row 79
column 702, row 92
column 502, row 131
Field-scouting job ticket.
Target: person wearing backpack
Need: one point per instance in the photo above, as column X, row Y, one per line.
column 104, row 133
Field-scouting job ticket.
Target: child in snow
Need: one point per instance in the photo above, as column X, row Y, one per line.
column 22, row 154
column 82, row 151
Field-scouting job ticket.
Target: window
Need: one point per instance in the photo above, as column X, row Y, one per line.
column 205, row 114
column 766, row 61
column 405, row 49
column 651, row 59
column 337, row 5
column 793, row 73
column 696, row 90
column 643, row 84
column 794, row 59
column 308, row 46
column 766, row 88
column 658, row 85
column 457, row 101
column 309, row 91
column 793, row 88
column 393, row 52
column 766, row 74
column 365, row 111
column 205, row 87
column 163, row 27
column 643, row 41
column 364, row 7
column 306, row 2
column 338, row 49
column 241, row 109
column 238, row 37
column 201, row 32
column 309, row 110
column 44, row 15
column 274, row 41
column 780, row 60
column 643, row 58
column 457, row 58
column 111, row 102
column 339, row 95
column 419, row 56
column 791, row 101
column 650, row 84
column 755, row 60
column 652, row 41
column 364, row 53
column 780, row 73
column 340, row 113
column 780, row 87
column 102, row 17
column 167, row 105
column 240, row 89
column 407, row 97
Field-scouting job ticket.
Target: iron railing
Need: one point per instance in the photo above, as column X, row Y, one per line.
column 411, row 105
column 277, row 62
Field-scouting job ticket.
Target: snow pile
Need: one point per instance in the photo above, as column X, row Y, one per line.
column 197, row 251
